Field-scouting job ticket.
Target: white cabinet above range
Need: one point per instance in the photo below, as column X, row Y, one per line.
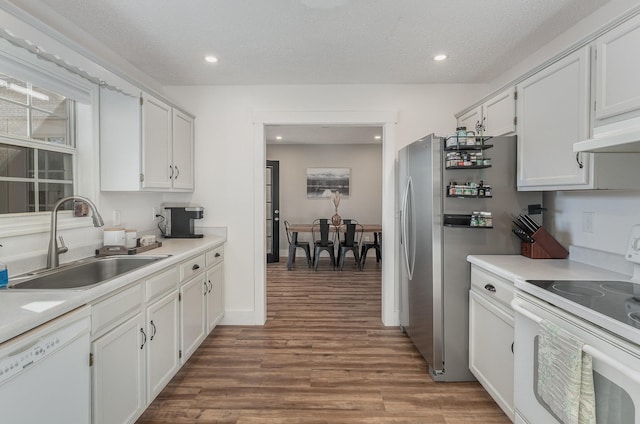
column 145, row 144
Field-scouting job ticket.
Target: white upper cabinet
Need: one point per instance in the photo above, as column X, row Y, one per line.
column 145, row 144
column 617, row 73
column 497, row 115
column 553, row 113
column 157, row 165
column 182, row 151
column 470, row 119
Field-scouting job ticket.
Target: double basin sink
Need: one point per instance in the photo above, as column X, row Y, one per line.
column 82, row 274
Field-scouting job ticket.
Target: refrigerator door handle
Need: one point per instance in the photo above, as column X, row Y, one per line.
column 403, row 218
column 411, row 237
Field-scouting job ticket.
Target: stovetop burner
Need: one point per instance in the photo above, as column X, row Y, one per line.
column 619, row 300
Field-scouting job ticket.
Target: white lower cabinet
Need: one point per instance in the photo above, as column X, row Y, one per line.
column 491, row 336
column 118, row 373
column 192, row 315
column 215, row 296
column 144, row 333
column 163, row 343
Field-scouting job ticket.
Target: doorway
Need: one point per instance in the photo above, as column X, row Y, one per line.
column 273, row 210
column 384, row 118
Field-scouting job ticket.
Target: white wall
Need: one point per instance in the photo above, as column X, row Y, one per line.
column 365, row 199
column 225, row 155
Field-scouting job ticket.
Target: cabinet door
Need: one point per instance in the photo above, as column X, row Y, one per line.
column 491, row 350
column 182, row 151
column 471, row 119
column 215, row 296
column 192, row 315
column 118, row 373
column 553, row 113
column 156, row 143
column 163, row 346
column 499, row 113
column 617, row 70
column 119, row 141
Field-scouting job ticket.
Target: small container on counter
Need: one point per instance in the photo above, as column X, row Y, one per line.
column 131, row 238
column 114, row 236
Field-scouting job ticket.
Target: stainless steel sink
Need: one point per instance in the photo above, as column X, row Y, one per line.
column 82, row 274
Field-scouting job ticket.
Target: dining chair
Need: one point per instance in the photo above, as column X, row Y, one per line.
column 320, row 233
column 375, row 244
column 350, row 243
column 294, row 244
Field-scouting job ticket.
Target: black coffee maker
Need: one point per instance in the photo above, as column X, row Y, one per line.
column 179, row 220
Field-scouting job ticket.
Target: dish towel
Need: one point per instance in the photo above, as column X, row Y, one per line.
column 565, row 375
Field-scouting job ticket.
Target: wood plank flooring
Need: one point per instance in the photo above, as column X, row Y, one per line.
column 323, row 357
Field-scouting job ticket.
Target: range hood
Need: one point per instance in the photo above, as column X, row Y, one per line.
column 614, row 138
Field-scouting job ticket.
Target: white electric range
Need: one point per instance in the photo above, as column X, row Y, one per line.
column 605, row 315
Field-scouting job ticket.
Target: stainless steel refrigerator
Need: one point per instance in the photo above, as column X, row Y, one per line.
column 441, row 197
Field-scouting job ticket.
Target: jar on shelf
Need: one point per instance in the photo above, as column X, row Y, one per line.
column 486, row 218
column 461, row 133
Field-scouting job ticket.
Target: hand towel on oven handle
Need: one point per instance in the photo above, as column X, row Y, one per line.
column 565, row 375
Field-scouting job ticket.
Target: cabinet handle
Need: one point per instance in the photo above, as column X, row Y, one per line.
column 153, row 326
column 210, row 287
column 144, row 338
column 512, row 347
column 580, row 164
column 195, row 267
column 206, row 287
column 177, row 171
column 490, row 288
column 171, row 169
column 217, row 255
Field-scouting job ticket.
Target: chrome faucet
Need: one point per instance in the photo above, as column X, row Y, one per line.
column 53, row 260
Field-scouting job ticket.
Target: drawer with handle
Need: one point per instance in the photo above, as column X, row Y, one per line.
column 192, row 267
column 491, row 285
column 215, row 256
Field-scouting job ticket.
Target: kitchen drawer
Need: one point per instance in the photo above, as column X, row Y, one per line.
column 110, row 312
column 491, row 285
column 162, row 283
column 215, row 256
column 192, row 267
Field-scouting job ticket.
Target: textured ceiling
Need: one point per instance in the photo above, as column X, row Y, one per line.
column 320, row 41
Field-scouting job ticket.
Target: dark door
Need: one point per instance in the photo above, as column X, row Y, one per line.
column 273, row 211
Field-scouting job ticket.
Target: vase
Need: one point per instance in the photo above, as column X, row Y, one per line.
column 336, row 219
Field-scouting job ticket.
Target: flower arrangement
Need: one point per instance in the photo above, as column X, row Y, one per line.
column 335, row 199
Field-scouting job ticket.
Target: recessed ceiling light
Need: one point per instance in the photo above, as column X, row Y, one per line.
column 278, row 137
column 211, row 59
column 378, row 137
column 439, row 57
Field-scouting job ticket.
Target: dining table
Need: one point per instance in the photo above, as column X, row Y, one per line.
column 294, row 229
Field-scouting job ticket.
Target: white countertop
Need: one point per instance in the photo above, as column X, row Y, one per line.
column 22, row 310
column 518, row 267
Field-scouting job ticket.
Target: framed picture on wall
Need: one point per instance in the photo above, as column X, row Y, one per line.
column 323, row 182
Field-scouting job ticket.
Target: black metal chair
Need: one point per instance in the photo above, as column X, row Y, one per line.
column 377, row 239
column 295, row 244
column 320, row 232
column 350, row 243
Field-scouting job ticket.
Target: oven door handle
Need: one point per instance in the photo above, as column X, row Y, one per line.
column 595, row 353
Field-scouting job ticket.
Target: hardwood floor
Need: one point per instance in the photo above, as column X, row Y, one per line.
column 323, row 356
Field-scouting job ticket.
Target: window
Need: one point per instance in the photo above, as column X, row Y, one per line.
column 37, row 147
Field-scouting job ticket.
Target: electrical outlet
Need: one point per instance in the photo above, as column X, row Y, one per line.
column 587, row 222
column 116, row 218
column 155, row 212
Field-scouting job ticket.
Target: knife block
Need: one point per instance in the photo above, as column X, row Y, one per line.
column 544, row 247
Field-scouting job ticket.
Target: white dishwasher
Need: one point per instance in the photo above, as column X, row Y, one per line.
column 45, row 375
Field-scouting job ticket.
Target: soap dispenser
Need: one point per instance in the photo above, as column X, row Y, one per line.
column 4, row 275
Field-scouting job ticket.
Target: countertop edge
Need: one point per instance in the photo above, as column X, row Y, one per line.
column 16, row 320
